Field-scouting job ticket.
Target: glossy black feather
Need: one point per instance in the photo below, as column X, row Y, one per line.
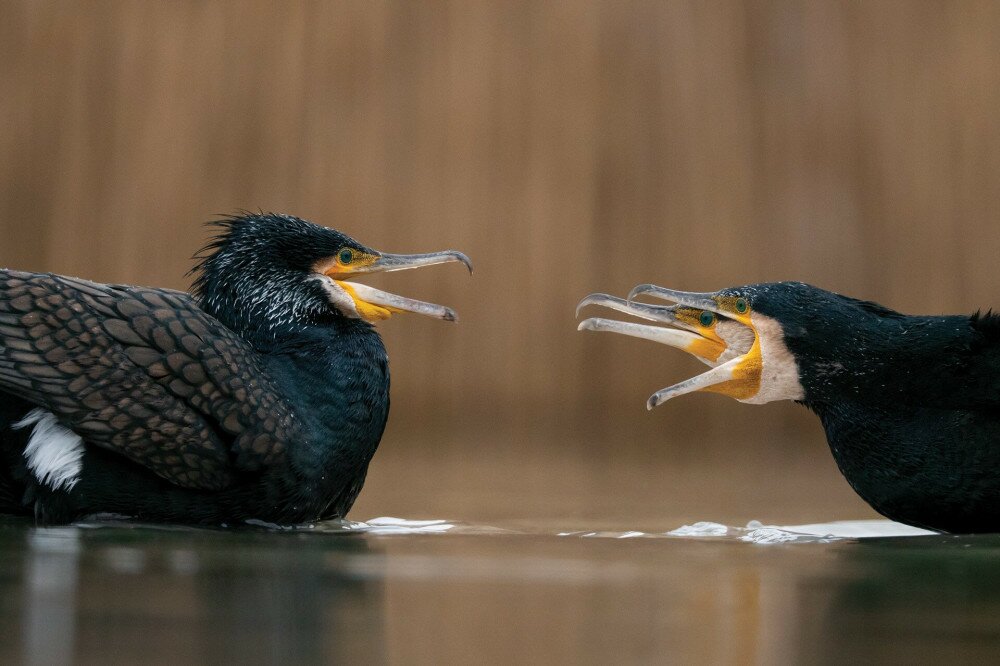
column 910, row 404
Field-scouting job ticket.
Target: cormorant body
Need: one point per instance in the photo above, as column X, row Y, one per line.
column 264, row 396
column 910, row 404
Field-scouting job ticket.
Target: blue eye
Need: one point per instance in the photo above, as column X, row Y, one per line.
column 707, row 318
column 346, row 256
column 741, row 305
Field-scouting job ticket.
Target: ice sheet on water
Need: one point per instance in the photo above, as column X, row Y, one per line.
column 859, row 529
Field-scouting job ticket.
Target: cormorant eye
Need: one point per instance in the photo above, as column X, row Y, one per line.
column 741, row 305
column 707, row 318
column 346, row 256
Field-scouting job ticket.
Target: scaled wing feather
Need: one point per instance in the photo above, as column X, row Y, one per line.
column 143, row 372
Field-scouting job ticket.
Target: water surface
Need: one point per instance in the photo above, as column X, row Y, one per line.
column 394, row 592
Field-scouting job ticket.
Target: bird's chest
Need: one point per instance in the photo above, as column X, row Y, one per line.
column 342, row 402
column 934, row 468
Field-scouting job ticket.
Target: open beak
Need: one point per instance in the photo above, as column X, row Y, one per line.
column 385, row 263
column 692, row 299
column 680, row 332
column 374, row 304
column 721, row 341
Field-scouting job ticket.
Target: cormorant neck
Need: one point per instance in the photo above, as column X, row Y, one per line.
column 324, row 341
column 895, row 363
column 272, row 310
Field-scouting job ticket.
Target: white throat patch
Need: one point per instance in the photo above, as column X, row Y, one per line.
column 779, row 377
column 339, row 298
column 54, row 452
column 738, row 339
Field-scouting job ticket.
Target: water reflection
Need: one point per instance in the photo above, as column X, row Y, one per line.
column 153, row 595
column 150, row 595
column 930, row 599
column 50, row 593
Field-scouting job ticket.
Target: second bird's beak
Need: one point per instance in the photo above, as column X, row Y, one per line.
column 374, row 304
column 735, row 367
column 681, row 332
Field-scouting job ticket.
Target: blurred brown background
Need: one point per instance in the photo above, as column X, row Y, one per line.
column 567, row 147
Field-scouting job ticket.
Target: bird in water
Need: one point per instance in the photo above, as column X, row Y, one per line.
column 260, row 396
column 910, row 404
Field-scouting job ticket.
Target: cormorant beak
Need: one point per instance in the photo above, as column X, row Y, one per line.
column 385, row 263
column 684, row 333
column 725, row 339
column 374, row 304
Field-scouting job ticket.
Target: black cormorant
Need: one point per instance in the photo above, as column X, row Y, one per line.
column 261, row 396
column 910, row 404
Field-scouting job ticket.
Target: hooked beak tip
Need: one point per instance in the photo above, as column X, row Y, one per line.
column 464, row 258
column 637, row 290
column 587, row 300
column 581, row 305
column 602, row 299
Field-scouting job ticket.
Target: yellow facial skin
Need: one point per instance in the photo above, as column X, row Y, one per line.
column 336, row 267
column 368, row 311
column 710, row 347
column 746, row 376
column 718, row 328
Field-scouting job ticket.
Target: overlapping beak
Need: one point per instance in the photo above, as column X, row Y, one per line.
column 374, row 304
column 702, row 324
column 681, row 331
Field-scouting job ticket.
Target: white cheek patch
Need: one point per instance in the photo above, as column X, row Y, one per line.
column 339, row 298
column 779, row 377
column 54, row 453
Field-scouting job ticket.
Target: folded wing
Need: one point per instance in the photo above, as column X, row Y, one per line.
column 143, row 372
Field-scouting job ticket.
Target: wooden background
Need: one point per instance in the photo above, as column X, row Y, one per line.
column 567, row 147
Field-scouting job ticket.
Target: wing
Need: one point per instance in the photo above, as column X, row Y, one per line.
column 144, row 372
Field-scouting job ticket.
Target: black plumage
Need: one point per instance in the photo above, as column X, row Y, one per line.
column 910, row 404
column 262, row 396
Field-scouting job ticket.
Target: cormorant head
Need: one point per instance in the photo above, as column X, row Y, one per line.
column 764, row 342
column 265, row 274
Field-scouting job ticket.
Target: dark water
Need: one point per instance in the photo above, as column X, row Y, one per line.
column 119, row 593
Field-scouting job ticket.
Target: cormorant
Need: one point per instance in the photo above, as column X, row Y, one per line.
column 263, row 395
column 910, row 404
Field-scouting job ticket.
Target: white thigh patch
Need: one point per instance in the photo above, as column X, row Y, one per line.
column 54, row 452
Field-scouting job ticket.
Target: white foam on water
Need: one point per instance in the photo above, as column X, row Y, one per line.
column 391, row 525
column 754, row 532
column 700, row 529
column 767, row 536
column 758, row 533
